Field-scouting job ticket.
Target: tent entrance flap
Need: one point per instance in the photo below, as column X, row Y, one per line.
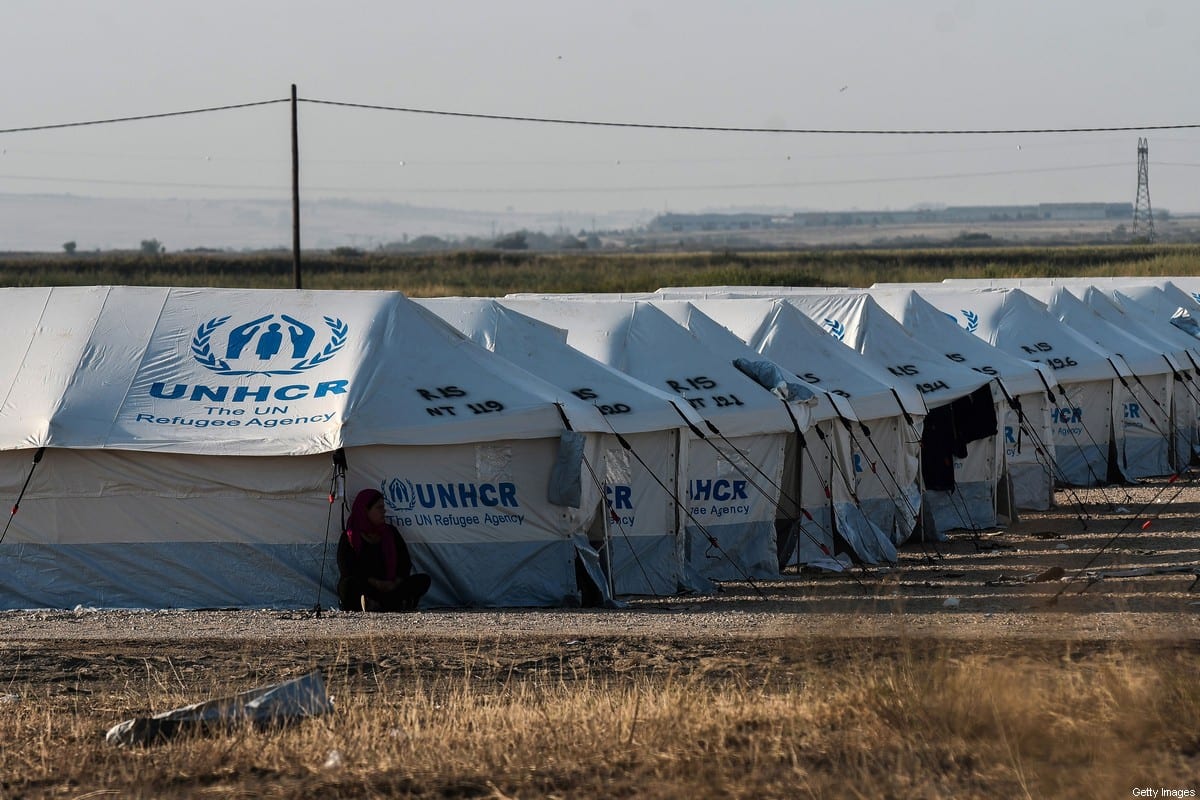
column 591, row 576
column 566, row 478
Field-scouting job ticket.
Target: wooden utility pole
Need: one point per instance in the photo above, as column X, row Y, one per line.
column 295, row 194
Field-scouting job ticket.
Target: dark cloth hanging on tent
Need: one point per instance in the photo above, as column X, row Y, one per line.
column 949, row 429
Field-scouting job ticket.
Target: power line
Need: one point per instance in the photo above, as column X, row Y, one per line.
column 594, row 189
column 732, row 129
column 140, row 117
column 613, row 124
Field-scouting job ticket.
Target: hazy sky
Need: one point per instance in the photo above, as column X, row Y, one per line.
column 852, row 64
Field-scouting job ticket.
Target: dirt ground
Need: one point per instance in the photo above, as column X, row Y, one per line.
column 1111, row 565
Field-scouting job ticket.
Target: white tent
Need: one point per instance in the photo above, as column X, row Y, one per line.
column 188, row 436
column 1178, row 348
column 1022, row 326
column 1188, row 284
column 642, row 531
column 1027, row 437
column 736, row 468
column 868, row 462
column 959, row 491
column 1165, row 300
column 823, row 458
column 1143, row 390
column 1146, row 329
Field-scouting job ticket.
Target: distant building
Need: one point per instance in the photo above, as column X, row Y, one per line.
column 716, row 222
column 1065, row 212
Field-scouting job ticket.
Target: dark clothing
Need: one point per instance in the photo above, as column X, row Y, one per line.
column 357, row 567
column 947, row 432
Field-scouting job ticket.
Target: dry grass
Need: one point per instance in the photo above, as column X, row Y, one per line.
column 492, row 272
column 868, row 719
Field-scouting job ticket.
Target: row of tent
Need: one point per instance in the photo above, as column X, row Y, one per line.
column 194, row 448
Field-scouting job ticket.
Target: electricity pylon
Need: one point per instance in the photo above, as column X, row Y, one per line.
column 1143, row 215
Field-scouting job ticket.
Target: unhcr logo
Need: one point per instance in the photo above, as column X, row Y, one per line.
column 837, row 329
column 265, row 346
column 399, row 494
column 402, row 495
column 972, row 321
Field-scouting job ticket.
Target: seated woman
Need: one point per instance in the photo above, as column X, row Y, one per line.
column 374, row 562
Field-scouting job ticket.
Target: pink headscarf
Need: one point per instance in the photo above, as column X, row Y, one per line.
column 360, row 524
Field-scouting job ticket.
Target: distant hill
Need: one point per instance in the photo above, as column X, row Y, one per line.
column 44, row 222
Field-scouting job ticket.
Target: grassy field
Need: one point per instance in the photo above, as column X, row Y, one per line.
column 783, row 718
column 494, row 273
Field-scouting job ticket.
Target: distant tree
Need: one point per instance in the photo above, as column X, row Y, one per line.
column 349, row 252
column 972, row 237
column 428, row 243
column 69, row 248
column 152, row 247
column 518, row 240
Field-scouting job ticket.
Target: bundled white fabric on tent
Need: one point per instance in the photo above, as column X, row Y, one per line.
column 1022, row 326
column 1027, row 437
column 735, row 470
column 642, row 531
column 188, row 436
column 871, row 465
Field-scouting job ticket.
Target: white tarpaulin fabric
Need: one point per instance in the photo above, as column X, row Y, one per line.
column 1021, row 326
column 1139, row 320
column 1027, row 438
column 125, row 529
column 868, row 469
column 188, row 435
column 641, row 529
column 1187, row 284
column 266, row 707
column 250, row 372
column 476, row 521
column 1132, row 332
column 855, row 319
column 736, row 467
column 832, row 442
column 1143, row 397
